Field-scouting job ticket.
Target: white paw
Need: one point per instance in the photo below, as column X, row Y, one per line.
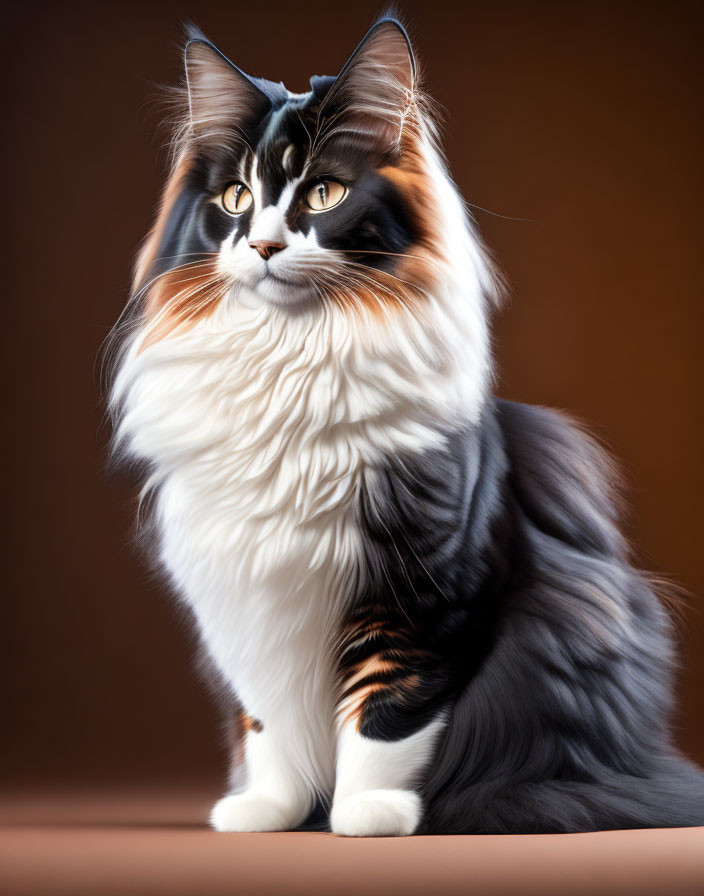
column 377, row 813
column 247, row 812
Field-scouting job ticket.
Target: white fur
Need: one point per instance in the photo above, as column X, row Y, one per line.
column 374, row 782
column 276, row 797
column 261, row 425
column 377, row 813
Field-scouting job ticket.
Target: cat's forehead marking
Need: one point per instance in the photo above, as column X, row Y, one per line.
column 276, row 120
column 286, row 158
column 255, row 184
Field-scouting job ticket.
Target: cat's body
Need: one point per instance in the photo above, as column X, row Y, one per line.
column 418, row 594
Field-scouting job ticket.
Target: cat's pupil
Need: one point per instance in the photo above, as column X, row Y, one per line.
column 323, row 193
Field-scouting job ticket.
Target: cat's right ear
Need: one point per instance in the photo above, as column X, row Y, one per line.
column 374, row 92
column 222, row 99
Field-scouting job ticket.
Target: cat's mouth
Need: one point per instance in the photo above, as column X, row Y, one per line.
column 281, row 289
column 283, row 280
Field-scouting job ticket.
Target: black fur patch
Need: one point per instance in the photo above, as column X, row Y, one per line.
column 500, row 581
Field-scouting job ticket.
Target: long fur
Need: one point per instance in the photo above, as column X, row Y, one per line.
column 418, row 594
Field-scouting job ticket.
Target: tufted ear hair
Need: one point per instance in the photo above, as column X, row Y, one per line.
column 372, row 93
column 222, row 99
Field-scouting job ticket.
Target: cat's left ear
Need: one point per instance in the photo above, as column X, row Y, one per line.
column 375, row 88
column 222, row 99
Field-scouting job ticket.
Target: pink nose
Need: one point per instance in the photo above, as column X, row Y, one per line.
column 266, row 248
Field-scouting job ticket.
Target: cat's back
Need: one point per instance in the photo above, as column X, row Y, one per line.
column 563, row 480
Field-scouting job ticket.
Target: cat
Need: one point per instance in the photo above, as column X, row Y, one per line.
column 417, row 593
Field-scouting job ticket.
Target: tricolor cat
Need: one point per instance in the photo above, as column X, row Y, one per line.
column 417, row 594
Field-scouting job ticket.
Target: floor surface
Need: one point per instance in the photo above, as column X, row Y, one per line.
column 92, row 844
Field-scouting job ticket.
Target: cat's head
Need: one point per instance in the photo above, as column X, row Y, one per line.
column 296, row 200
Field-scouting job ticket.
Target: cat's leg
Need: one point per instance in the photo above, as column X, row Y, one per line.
column 276, row 796
column 374, row 790
column 389, row 716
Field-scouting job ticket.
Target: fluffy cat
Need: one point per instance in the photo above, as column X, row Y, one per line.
column 417, row 593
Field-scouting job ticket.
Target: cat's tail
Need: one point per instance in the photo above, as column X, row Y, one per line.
column 671, row 796
column 674, row 797
column 565, row 725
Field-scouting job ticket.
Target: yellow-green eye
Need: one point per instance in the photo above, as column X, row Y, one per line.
column 236, row 199
column 324, row 195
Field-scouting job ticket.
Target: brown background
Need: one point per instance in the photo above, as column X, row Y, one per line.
column 584, row 118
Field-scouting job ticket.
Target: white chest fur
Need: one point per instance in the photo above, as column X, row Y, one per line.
column 255, row 506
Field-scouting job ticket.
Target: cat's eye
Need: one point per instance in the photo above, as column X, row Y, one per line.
column 324, row 195
column 236, row 199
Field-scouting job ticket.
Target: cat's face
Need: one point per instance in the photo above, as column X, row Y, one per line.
column 287, row 222
column 294, row 199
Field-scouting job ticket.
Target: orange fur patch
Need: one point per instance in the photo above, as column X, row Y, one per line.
column 410, row 177
column 415, row 270
column 185, row 294
column 357, row 690
column 373, row 665
column 249, row 723
column 181, row 297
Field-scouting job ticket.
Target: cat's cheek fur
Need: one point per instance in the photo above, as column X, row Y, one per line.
column 375, row 780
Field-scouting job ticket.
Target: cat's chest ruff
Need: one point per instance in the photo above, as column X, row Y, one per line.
column 258, row 472
column 257, row 514
column 284, row 509
column 261, row 425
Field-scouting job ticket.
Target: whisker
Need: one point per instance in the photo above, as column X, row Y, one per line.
column 381, row 252
column 505, row 217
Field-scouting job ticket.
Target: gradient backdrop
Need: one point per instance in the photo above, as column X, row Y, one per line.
column 577, row 125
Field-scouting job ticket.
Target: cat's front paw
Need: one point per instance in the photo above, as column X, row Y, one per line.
column 377, row 813
column 249, row 812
